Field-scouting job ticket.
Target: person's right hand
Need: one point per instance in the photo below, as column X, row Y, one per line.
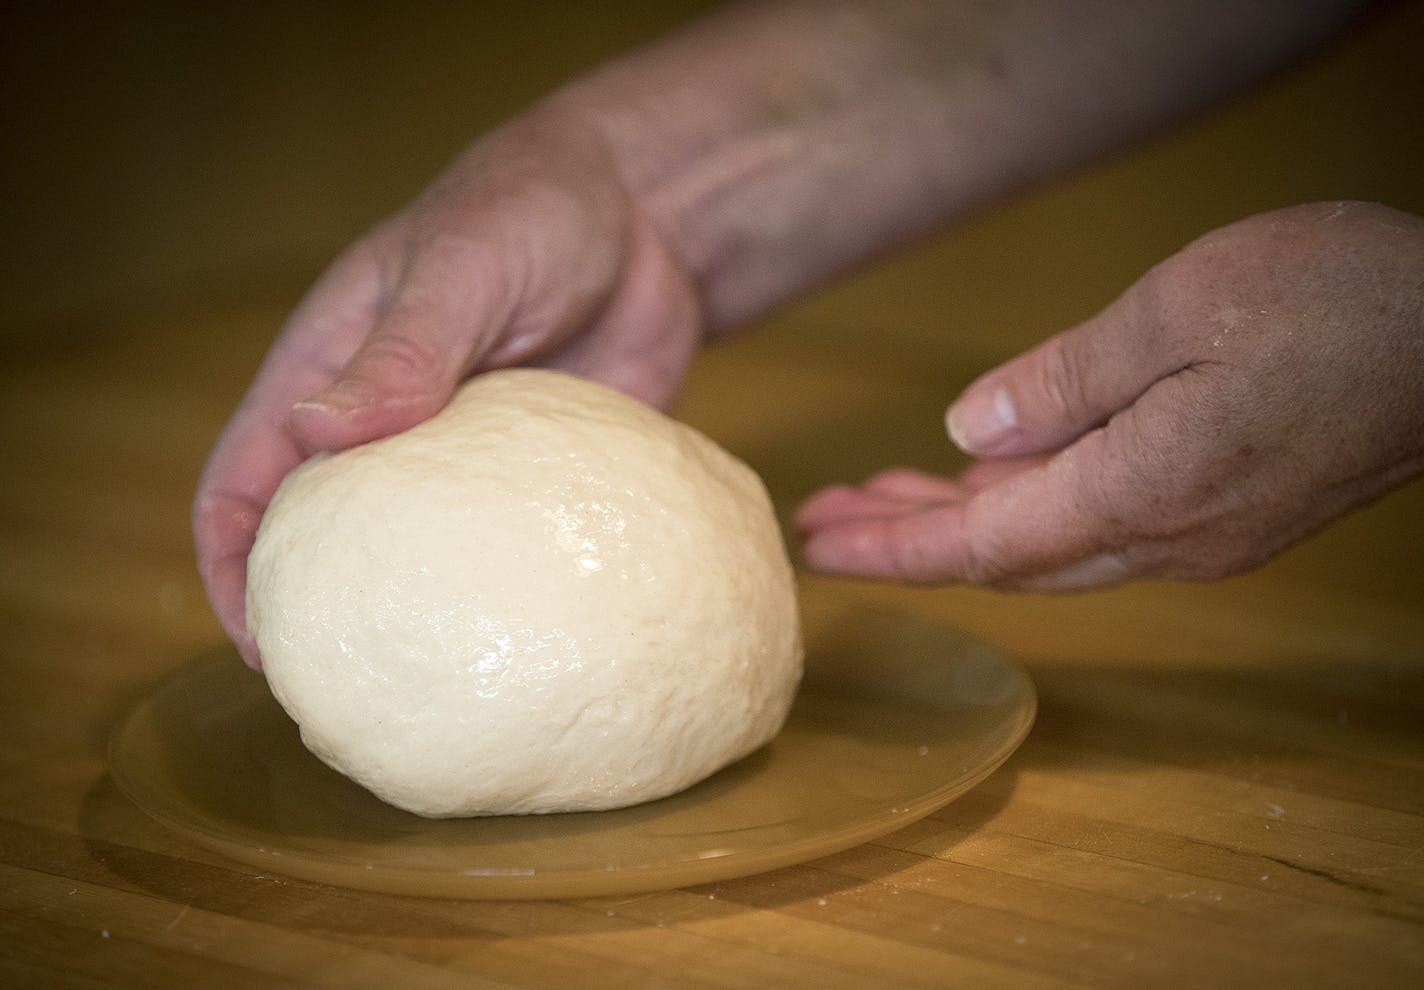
column 1239, row 397
column 526, row 251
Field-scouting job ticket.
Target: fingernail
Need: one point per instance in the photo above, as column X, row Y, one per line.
column 981, row 419
column 342, row 397
column 1100, row 571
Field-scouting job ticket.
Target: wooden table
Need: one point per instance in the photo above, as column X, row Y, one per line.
column 1225, row 786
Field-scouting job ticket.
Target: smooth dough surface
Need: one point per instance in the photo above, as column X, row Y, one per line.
column 550, row 597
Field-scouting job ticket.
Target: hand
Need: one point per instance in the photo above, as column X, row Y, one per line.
column 1252, row 388
column 526, row 251
column 765, row 147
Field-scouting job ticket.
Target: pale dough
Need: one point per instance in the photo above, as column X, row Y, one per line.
column 550, row 597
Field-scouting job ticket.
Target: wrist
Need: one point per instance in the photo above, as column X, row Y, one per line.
column 774, row 145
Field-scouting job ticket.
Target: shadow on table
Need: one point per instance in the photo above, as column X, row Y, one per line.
column 1312, row 722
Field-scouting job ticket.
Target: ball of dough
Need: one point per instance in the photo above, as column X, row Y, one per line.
column 550, row 597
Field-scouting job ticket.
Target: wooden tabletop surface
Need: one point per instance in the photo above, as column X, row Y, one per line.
column 1225, row 784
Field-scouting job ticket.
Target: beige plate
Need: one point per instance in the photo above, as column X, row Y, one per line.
column 897, row 716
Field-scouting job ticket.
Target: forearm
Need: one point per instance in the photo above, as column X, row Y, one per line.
column 776, row 143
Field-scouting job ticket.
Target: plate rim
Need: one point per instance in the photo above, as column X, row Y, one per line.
column 511, row 884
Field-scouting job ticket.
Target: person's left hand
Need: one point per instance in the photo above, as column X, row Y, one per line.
column 528, row 250
column 1247, row 391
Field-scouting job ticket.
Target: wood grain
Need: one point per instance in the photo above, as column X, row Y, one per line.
column 1223, row 787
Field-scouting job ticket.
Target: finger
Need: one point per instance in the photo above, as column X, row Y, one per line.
column 986, row 473
column 909, row 483
column 1072, row 383
column 257, row 449
column 897, row 491
column 915, row 484
column 893, row 492
column 840, row 503
column 1040, row 526
column 854, row 534
column 442, row 316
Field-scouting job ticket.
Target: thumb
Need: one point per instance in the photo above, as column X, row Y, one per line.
column 1049, row 396
column 440, row 320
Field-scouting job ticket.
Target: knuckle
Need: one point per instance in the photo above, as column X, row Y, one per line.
column 896, row 481
column 981, row 565
column 985, row 555
column 446, row 254
column 403, row 356
column 1062, row 379
column 912, row 555
column 904, row 553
